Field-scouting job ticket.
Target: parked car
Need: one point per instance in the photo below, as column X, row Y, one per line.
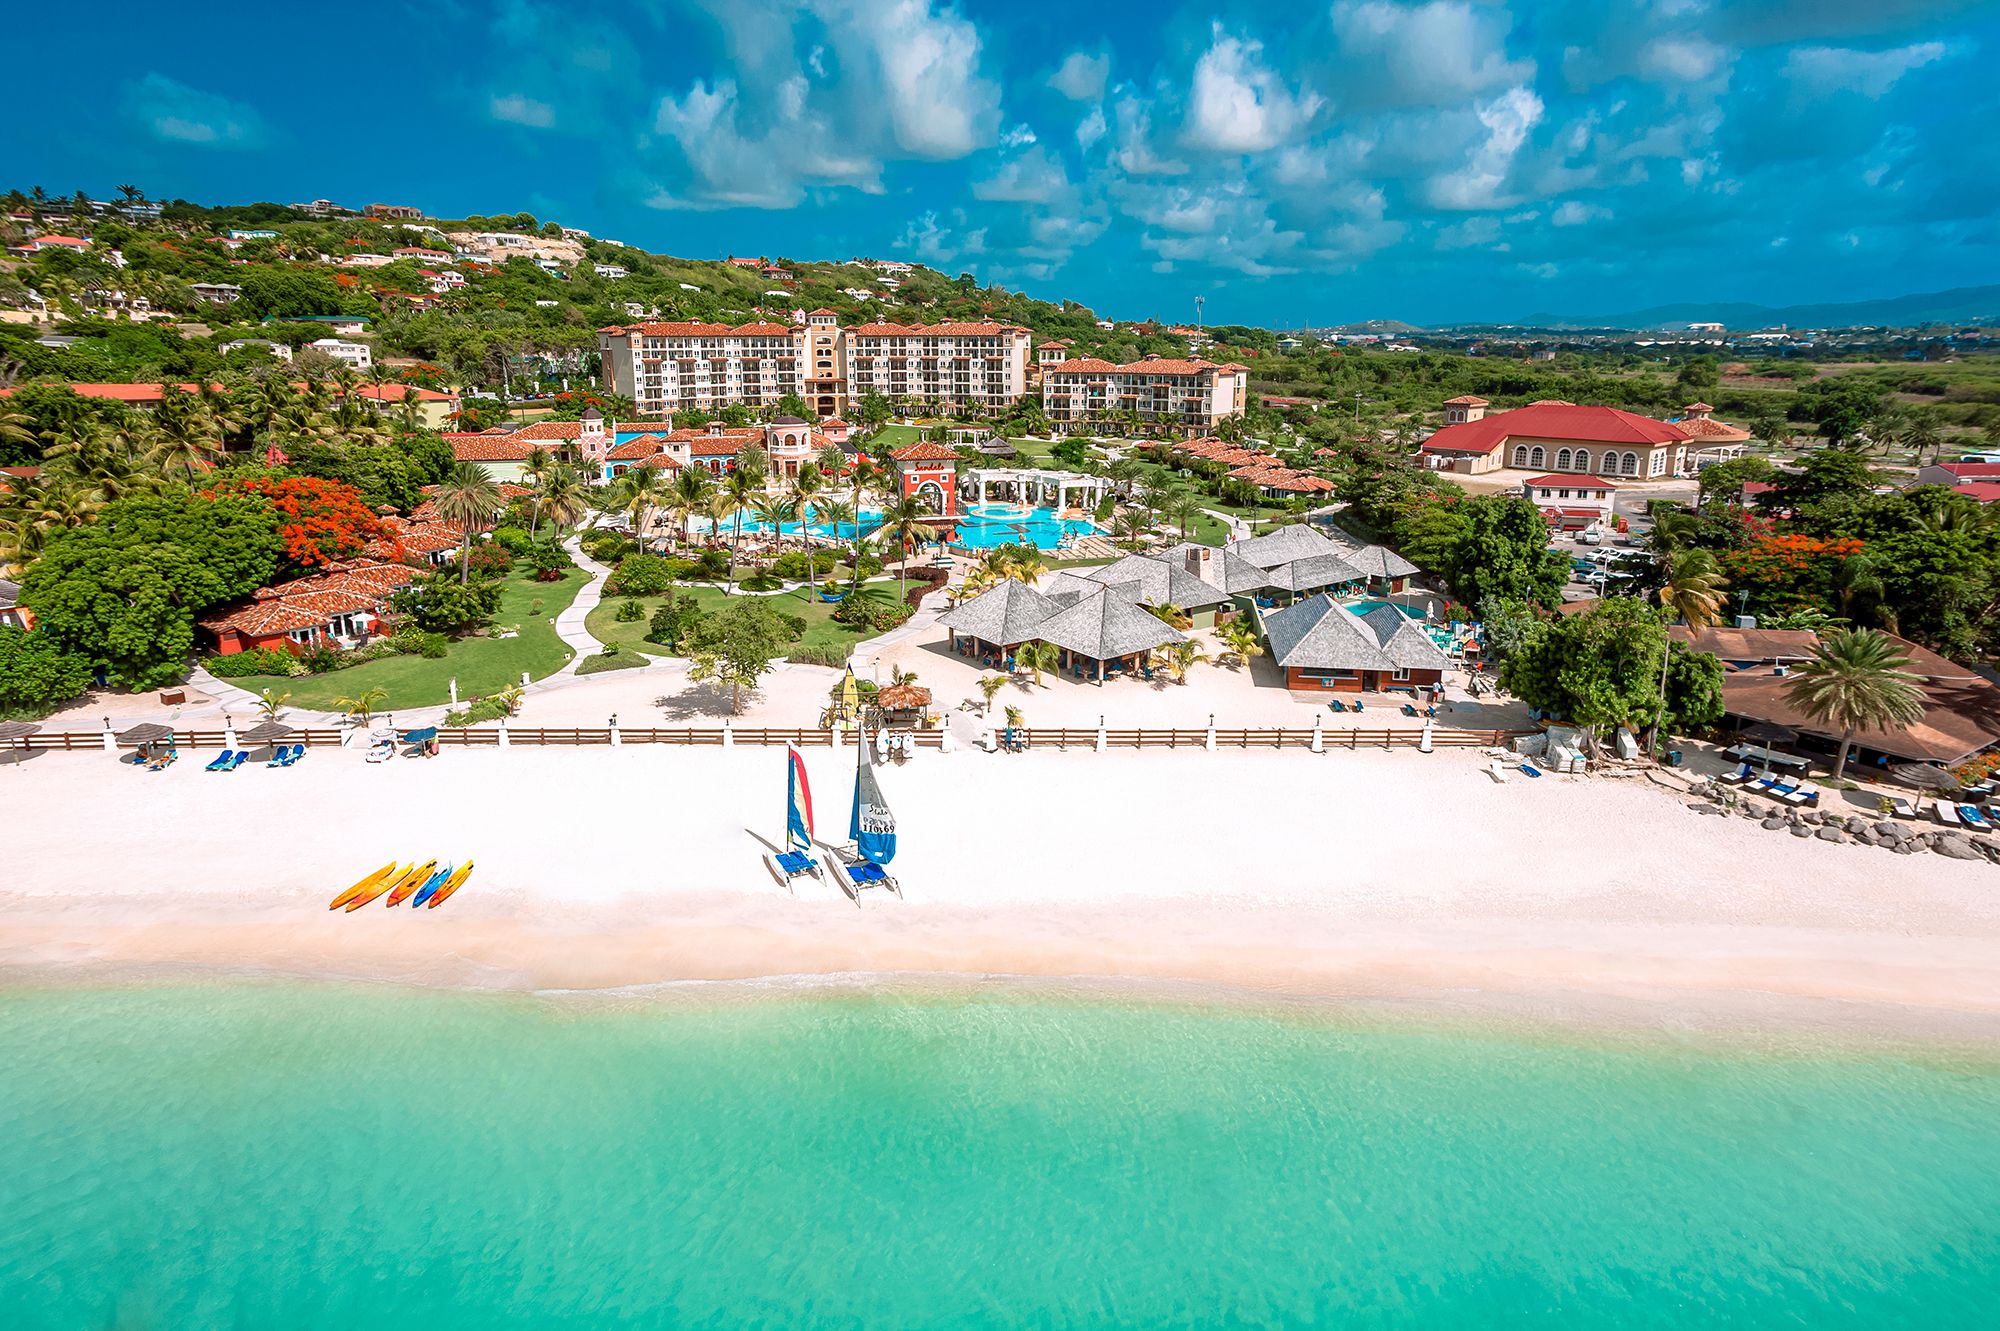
column 1590, row 538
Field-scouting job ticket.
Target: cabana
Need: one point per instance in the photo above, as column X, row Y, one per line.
column 1323, row 646
column 902, row 704
column 148, row 737
column 1106, row 634
column 992, row 624
column 1161, row 582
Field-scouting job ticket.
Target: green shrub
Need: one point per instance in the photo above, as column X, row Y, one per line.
column 488, row 559
column 550, row 561
column 640, row 575
column 609, row 660
column 676, row 618
column 791, row 565
column 631, row 612
column 255, row 661
column 608, row 547
column 824, row 655
column 762, row 582
column 416, row 642
column 513, row 540
column 871, row 565
column 321, row 659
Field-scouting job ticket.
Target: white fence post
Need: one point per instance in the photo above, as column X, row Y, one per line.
column 1424, row 744
column 728, row 735
column 1319, row 735
column 506, row 740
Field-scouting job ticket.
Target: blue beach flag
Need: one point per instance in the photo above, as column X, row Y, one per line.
column 798, row 801
column 871, row 827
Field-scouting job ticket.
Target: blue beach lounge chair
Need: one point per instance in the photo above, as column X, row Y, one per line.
column 1409, row 709
column 1337, row 705
column 1357, row 704
column 1530, row 769
column 1970, row 815
column 224, row 762
column 1736, row 778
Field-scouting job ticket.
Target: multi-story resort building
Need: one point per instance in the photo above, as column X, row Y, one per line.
column 668, row 367
column 1185, row 397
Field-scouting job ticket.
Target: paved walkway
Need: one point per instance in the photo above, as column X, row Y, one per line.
column 1239, row 530
column 570, row 623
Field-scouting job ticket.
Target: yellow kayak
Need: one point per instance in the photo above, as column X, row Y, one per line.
column 451, row 885
column 416, row 875
column 381, row 875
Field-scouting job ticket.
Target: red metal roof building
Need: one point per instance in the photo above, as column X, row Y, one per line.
column 1557, row 436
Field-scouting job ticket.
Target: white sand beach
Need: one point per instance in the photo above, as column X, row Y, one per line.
column 1349, row 875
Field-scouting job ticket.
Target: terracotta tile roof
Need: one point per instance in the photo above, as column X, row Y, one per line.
column 696, row 328
column 1705, row 427
column 661, row 462
column 1079, row 366
column 555, row 431
column 924, row 451
column 490, row 448
column 1572, row 480
column 643, row 446
column 1466, row 400
column 1554, row 420
column 307, row 602
column 716, row 446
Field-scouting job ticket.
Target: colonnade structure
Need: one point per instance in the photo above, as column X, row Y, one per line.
column 1059, row 490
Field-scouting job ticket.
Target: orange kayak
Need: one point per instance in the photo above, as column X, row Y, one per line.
column 405, row 888
column 451, row 884
column 381, row 875
column 416, row 875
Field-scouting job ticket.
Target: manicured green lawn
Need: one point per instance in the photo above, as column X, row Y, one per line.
column 821, row 631
column 481, row 665
column 895, row 436
column 1209, row 531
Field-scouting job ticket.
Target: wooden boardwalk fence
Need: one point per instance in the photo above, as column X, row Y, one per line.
column 1061, row 738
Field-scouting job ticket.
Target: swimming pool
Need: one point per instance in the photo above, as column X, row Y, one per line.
column 984, row 526
column 870, row 519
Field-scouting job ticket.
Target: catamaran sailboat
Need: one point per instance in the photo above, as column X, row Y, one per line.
column 871, row 834
column 796, row 858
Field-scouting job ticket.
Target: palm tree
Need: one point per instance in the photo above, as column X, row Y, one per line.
column 1855, row 681
column 1239, row 639
column 535, row 470
column 989, row 686
column 565, row 498
column 739, row 487
column 269, row 704
column 467, row 498
column 636, row 493
column 363, row 705
column 1181, row 658
column 1694, row 594
column 1037, row 657
column 807, row 486
column 1130, row 524
column 1183, row 509
column 688, row 495
column 903, row 522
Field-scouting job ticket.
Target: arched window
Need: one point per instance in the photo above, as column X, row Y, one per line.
column 1535, row 458
column 1583, row 459
column 1562, row 460
column 1630, row 465
column 1520, row 455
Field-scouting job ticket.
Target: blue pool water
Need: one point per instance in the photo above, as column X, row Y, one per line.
column 984, row 526
column 870, row 519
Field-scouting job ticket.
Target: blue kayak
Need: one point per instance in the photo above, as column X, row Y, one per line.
column 435, row 882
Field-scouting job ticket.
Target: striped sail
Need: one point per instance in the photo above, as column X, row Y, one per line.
column 871, row 827
column 798, row 801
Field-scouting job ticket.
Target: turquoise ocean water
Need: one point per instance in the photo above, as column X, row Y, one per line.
column 305, row 1157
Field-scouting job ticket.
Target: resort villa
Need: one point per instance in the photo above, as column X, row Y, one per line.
column 1101, row 619
column 1573, row 503
column 1961, row 709
column 1184, row 397
column 1565, row 437
column 340, row 607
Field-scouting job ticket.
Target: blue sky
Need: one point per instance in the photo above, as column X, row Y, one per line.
column 1293, row 162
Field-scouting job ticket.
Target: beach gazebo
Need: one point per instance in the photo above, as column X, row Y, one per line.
column 992, row 624
column 13, row 733
column 144, row 736
column 902, row 704
column 1106, row 634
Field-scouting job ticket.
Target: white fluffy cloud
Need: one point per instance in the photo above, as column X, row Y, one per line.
column 1575, row 212
column 175, row 113
column 1508, row 119
column 516, row 109
column 1825, row 69
column 1081, row 76
column 877, row 82
column 1239, row 104
column 1427, row 52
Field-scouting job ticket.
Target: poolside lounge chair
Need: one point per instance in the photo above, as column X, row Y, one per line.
column 1409, row 709
column 1736, row 778
column 1357, row 704
column 1901, row 808
column 286, row 755
column 163, row 762
column 1970, row 815
column 1497, row 772
column 1947, row 814
column 225, row 761
column 1802, row 798
column 1337, row 705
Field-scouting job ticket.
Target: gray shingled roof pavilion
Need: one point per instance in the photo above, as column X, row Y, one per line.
column 1105, row 627
column 1161, row 582
column 1009, row 613
column 1323, row 634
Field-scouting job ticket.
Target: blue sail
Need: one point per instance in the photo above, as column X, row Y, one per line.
column 871, row 827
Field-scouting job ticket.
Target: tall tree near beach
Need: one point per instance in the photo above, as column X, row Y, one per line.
column 1035, row 657
column 1694, row 594
column 565, row 497
column 535, row 469
column 688, row 495
column 807, row 486
column 467, row 499
column 636, row 493
column 1856, row 680
column 903, row 521
column 740, row 487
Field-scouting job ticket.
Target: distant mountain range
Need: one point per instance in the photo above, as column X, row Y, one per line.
column 1960, row 305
